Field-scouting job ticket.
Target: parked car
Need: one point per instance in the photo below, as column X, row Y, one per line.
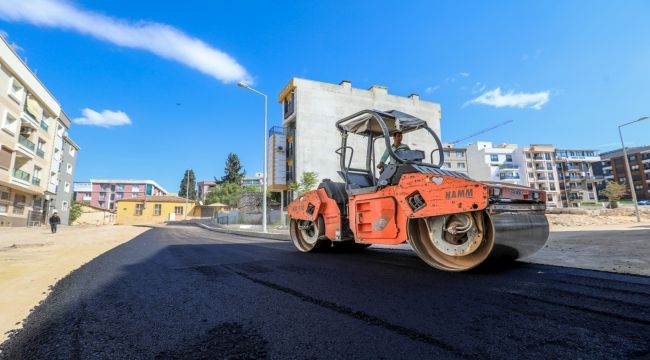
column 643, row 202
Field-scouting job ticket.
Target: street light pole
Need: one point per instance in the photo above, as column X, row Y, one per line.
column 187, row 190
column 264, row 182
column 627, row 168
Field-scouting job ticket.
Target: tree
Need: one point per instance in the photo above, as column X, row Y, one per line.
column 234, row 171
column 613, row 192
column 75, row 212
column 307, row 182
column 227, row 193
column 183, row 189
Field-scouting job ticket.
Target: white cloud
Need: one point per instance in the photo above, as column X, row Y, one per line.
column 431, row 89
column 464, row 74
column 160, row 39
column 106, row 118
column 521, row 100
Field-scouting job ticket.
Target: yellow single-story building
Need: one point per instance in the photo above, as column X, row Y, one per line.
column 153, row 210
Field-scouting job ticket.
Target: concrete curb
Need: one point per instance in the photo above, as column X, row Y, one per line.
column 216, row 228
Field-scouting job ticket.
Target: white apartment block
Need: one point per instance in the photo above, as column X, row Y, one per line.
column 489, row 162
column 33, row 136
column 540, row 172
column 310, row 110
column 566, row 175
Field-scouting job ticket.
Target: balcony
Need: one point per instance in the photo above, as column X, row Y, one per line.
column 40, row 153
column 508, row 167
column 36, row 181
column 44, row 125
column 509, row 177
column 21, row 175
column 26, row 143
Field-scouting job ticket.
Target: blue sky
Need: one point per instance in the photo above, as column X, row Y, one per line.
column 151, row 85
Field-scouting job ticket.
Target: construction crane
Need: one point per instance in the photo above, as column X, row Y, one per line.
column 480, row 132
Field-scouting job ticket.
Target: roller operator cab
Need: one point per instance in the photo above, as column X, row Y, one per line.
column 452, row 222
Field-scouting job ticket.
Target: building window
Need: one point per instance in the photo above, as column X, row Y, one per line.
column 72, row 151
column 446, row 154
column 19, row 204
column 446, row 165
column 5, row 157
column 66, row 187
column 509, row 158
column 289, row 104
column 4, row 202
column 178, row 210
column 69, row 169
column 494, row 158
column 17, row 91
column 531, row 175
column 138, row 209
column 549, row 197
column 64, row 206
column 10, row 124
column 461, row 165
column 157, row 209
column 460, row 154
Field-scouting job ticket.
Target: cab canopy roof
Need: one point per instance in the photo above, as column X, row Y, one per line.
column 373, row 122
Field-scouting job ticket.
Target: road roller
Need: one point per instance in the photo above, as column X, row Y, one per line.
column 452, row 222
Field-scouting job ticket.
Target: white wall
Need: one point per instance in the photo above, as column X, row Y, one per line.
column 319, row 105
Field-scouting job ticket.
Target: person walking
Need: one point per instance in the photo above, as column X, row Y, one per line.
column 54, row 221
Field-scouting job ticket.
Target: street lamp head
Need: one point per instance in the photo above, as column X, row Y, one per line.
column 643, row 118
column 242, row 84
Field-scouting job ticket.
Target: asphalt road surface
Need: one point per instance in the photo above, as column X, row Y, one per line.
column 182, row 292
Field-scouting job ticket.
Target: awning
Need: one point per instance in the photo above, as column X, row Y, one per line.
column 366, row 124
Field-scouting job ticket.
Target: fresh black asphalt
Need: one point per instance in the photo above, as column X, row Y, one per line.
column 182, row 292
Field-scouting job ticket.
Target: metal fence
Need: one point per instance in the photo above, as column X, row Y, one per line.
column 235, row 217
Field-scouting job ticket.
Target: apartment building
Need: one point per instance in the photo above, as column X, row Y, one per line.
column 489, row 162
column 33, row 139
column 613, row 168
column 310, row 110
column 104, row 193
column 455, row 159
column 575, row 175
column 203, row 187
column 540, row 171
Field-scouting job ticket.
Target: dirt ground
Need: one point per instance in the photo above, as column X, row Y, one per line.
column 32, row 260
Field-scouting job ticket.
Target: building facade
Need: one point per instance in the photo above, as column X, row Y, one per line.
column 489, row 162
column 455, row 159
column 59, row 193
column 30, row 145
column 104, row 193
column 540, row 171
column 310, row 110
column 152, row 209
column 613, row 168
column 203, row 187
column 576, row 177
